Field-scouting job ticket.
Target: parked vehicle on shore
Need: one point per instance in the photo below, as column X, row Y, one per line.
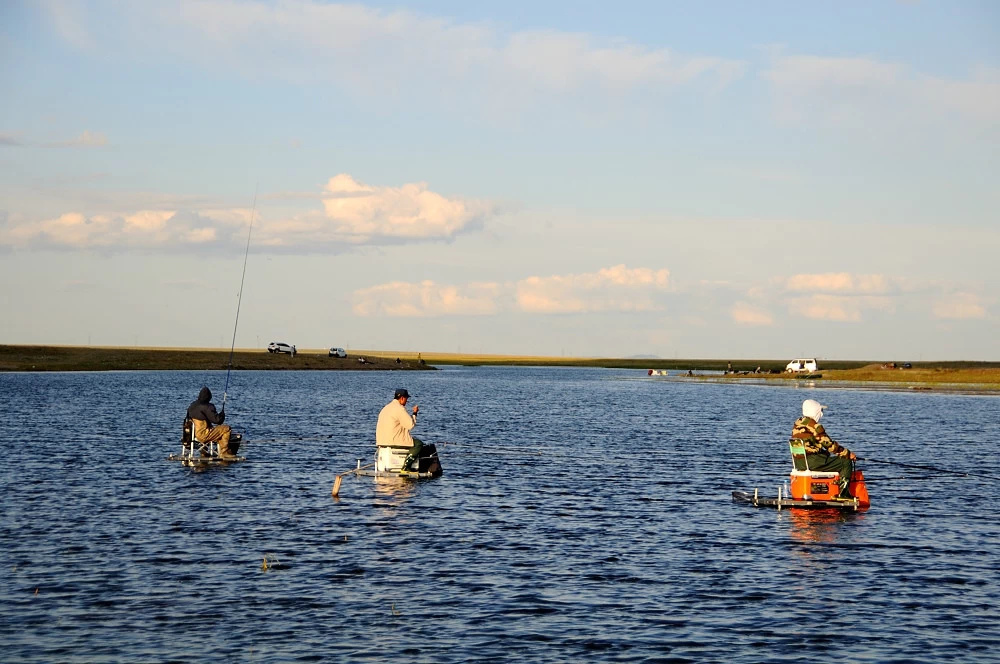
column 279, row 347
column 806, row 364
column 337, row 352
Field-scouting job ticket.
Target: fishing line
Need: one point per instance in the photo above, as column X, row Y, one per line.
column 239, row 299
column 935, row 469
column 293, row 438
column 536, row 451
column 872, row 479
column 499, row 451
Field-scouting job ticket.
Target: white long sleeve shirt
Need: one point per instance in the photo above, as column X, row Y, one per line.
column 394, row 424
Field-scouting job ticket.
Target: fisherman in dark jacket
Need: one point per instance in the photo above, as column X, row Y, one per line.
column 208, row 424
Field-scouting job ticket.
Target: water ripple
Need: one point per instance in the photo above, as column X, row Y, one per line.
column 584, row 515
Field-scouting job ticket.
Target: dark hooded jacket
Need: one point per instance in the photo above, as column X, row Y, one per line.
column 203, row 409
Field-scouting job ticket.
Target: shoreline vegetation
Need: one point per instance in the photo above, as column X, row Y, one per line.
column 963, row 376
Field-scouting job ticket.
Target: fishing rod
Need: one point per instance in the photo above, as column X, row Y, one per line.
column 538, row 451
column 872, row 479
column 293, row 438
column 931, row 468
column 239, row 299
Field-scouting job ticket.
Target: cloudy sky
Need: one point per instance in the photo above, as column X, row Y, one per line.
column 675, row 179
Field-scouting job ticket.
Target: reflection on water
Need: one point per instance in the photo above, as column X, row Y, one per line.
column 822, row 526
column 584, row 515
column 394, row 490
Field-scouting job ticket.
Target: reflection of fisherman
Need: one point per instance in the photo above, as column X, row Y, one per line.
column 394, row 424
column 822, row 453
column 204, row 418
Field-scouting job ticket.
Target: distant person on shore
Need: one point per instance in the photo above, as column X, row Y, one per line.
column 822, row 453
column 208, row 424
column 729, row 367
column 394, row 425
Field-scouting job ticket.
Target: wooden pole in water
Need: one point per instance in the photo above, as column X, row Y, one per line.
column 339, row 478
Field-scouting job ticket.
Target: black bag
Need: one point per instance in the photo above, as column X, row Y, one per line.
column 186, row 431
column 428, row 460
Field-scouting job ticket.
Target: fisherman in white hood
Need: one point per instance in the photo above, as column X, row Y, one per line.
column 822, row 453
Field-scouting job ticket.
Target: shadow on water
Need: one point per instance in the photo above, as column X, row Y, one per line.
column 584, row 515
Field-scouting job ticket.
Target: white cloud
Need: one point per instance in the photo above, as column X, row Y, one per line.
column 746, row 314
column 364, row 212
column 144, row 229
column 426, row 299
column 826, row 307
column 610, row 289
column 87, row 139
column 960, row 306
column 400, row 53
column 69, row 19
column 565, row 61
column 837, row 308
column 860, row 91
column 840, row 296
column 355, row 214
column 90, row 139
column 840, row 282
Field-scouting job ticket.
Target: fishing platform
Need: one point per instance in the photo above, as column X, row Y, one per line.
column 389, row 463
column 811, row 489
column 786, row 501
column 201, row 453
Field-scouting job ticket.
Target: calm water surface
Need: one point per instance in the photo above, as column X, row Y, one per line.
column 584, row 515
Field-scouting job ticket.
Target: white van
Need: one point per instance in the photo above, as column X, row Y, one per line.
column 808, row 364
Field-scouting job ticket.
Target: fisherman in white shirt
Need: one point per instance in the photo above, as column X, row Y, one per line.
column 394, row 424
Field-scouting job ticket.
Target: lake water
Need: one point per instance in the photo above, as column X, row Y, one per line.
column 583, row 515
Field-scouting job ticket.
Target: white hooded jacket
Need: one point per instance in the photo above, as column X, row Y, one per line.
column 812, row 409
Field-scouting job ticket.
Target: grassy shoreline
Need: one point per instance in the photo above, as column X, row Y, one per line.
column 106, row 358
column 974, row 376
column 984, row 380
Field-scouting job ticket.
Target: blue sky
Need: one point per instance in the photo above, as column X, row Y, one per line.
column 716, row 180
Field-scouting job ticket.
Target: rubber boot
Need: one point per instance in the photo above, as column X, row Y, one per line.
column 406, row 462
column 224, row 451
